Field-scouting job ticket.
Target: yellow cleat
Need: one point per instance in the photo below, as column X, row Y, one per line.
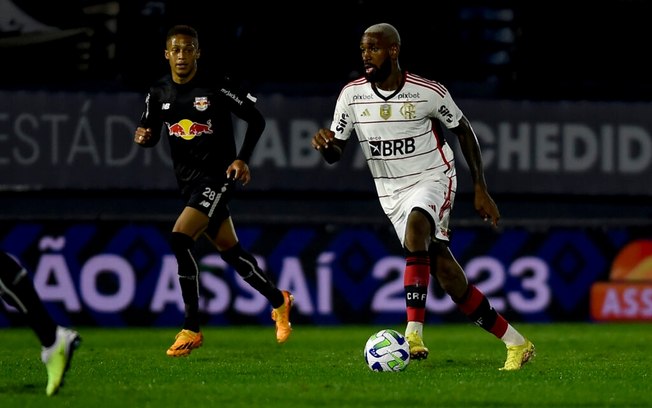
column 58, row 356
column 184, row 342
column 281, row 315
column 517, row 356
column 418, row 350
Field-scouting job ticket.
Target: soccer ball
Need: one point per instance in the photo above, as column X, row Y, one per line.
column 387, row 350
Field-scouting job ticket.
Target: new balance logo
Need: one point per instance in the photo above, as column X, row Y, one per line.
column 205, row 204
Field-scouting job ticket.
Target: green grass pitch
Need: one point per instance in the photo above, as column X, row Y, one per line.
column 577, row 365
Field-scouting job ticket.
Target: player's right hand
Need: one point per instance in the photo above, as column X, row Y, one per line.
column 322, row 139
column 142, row 135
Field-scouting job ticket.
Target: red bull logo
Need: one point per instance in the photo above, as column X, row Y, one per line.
column 201, row 103
column 187, row 129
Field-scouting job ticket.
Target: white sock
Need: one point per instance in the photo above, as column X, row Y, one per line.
column 414, row 327
column 512, row 337
column 46, row 352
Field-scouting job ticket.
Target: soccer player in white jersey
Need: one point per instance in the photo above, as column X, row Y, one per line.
column 397, row 117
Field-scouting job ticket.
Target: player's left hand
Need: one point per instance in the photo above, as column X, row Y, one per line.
column 486, row 207
column 323, row 139
column 239, row 170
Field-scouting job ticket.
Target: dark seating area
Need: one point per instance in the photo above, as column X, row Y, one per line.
column 489, row 49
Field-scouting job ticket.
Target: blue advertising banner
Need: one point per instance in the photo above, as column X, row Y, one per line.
column 124, row 274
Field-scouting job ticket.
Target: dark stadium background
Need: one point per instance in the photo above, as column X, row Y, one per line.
column 494, row 49
column 589, row 59
column 535, row 50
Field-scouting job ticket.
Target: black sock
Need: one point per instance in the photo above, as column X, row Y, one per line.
column 188, row 272
column 17, row 289
column 246, row 266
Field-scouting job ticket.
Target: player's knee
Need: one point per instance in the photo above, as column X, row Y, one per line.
column 10, row 270
column 11, row 276
column 180, row 242
column 437, row 248
column 182, row 245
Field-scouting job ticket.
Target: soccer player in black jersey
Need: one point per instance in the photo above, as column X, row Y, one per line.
column 194, row 109
column 57, row 343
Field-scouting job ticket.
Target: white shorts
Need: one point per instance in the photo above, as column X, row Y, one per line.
column 435, row 198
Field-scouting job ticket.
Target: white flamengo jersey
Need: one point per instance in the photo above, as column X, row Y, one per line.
column 399, row 132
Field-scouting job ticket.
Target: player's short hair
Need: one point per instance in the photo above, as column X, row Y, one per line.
column 386, row 30
column 182, row 29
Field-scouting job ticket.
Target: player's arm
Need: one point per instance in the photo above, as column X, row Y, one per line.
column 239, row 169
column 255, row 127
column 331, row 149
column 324, row 140
column 484, row 204
column 243, row 105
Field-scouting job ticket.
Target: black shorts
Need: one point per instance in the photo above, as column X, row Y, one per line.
column 211, row 198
